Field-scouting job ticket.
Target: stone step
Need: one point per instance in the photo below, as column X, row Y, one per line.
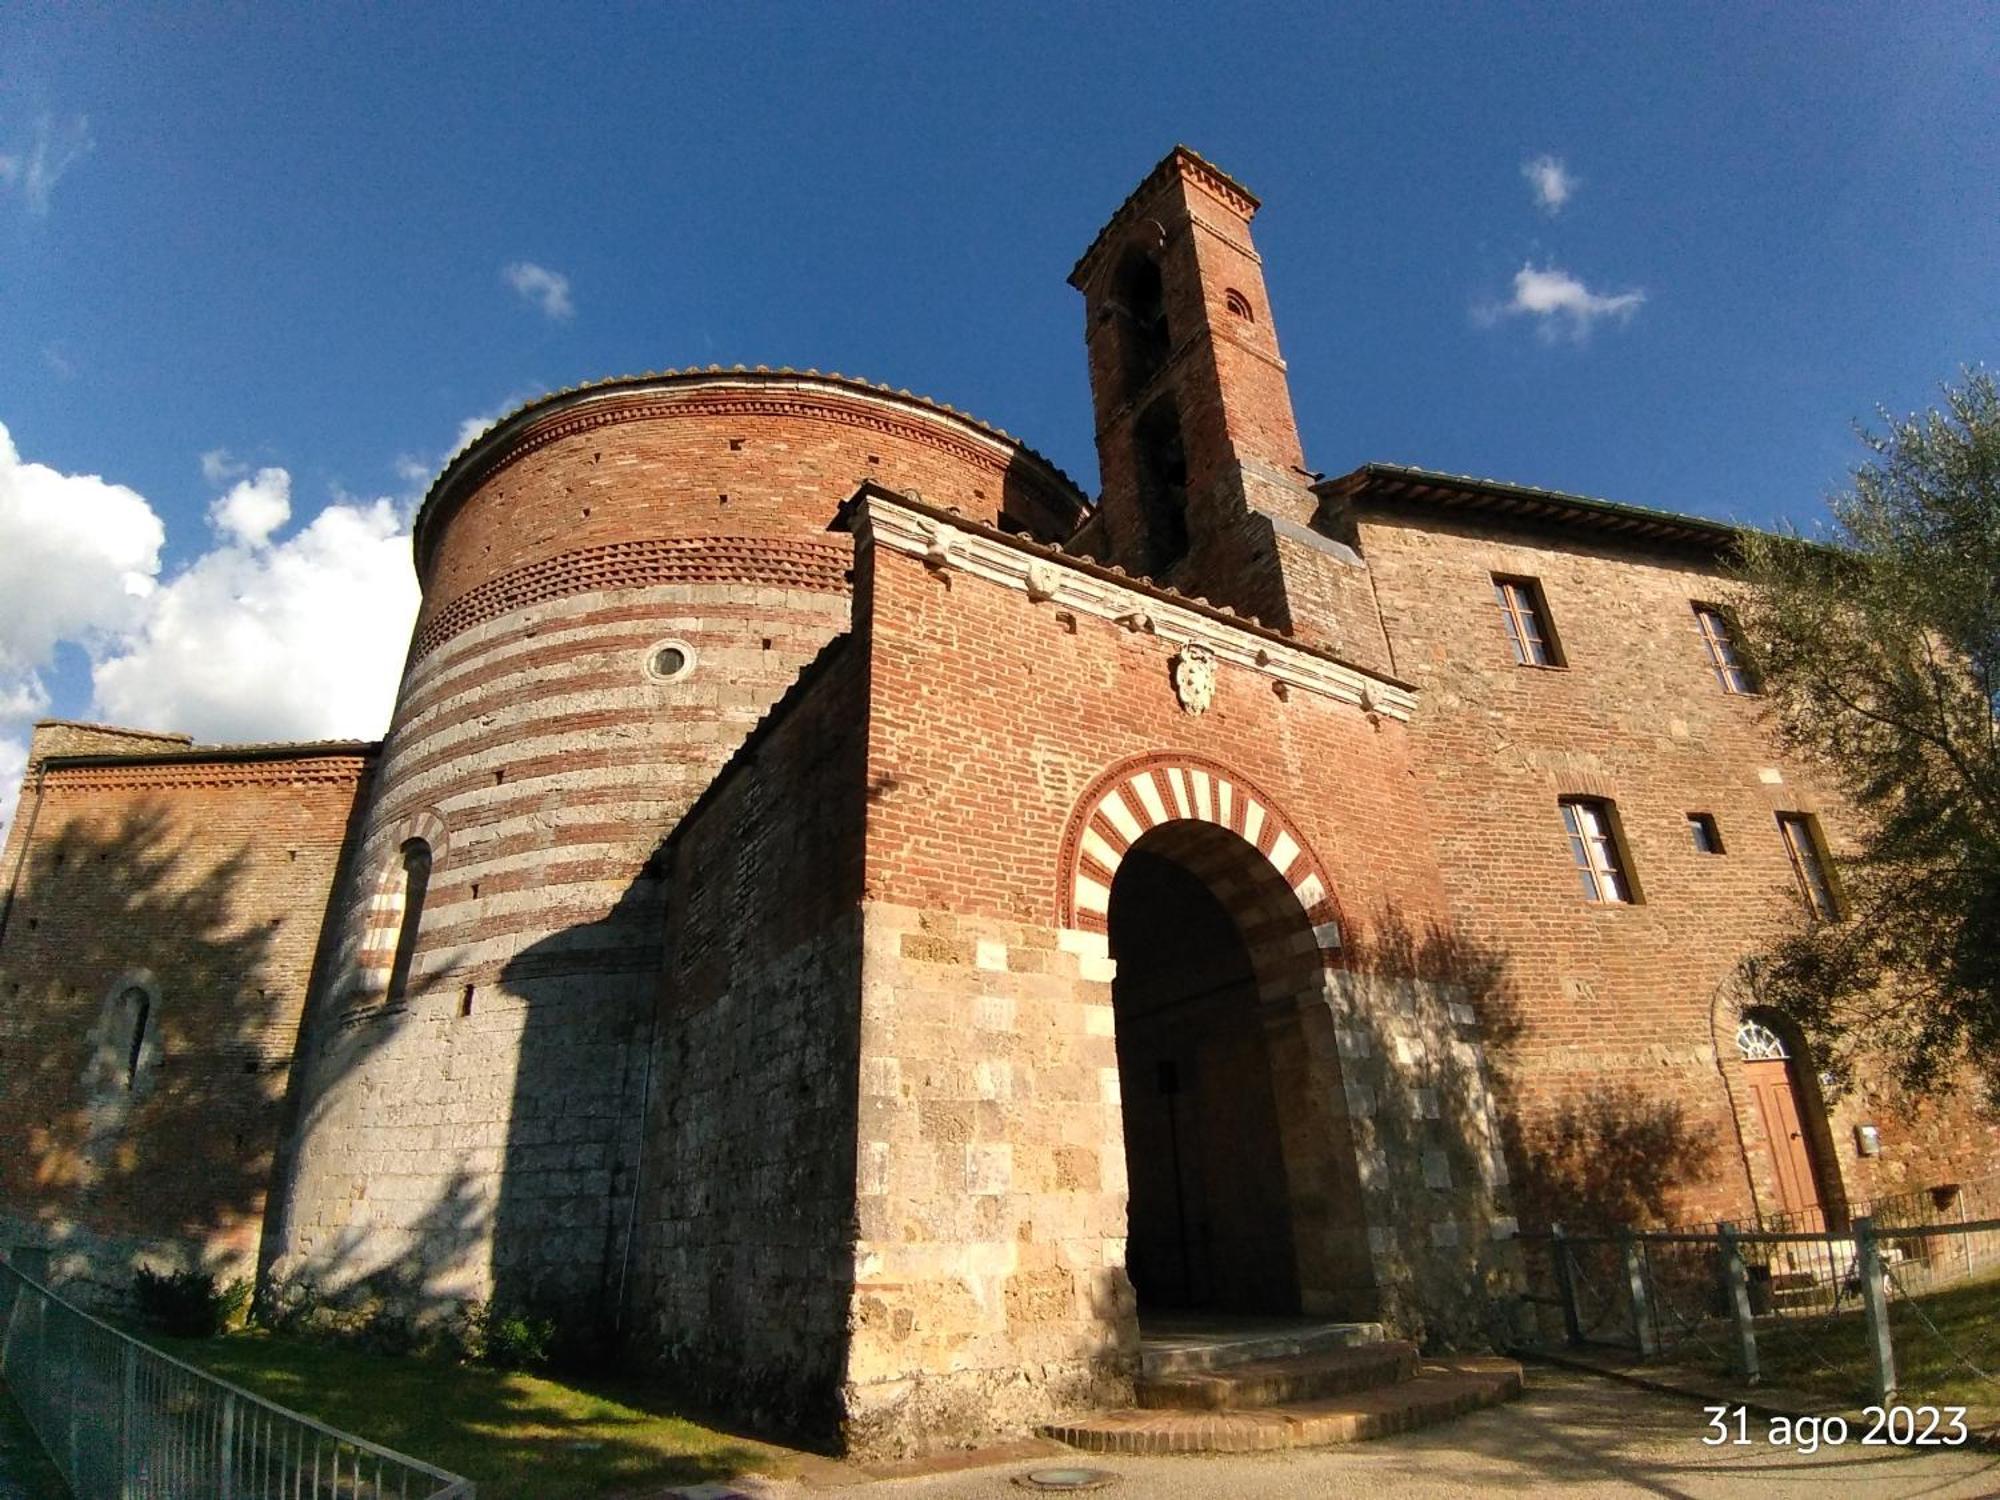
column 1202, row 1345
column 1440, row 1390
column 1278, row 1382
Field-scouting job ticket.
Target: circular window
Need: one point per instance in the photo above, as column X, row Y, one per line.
column 669, row 661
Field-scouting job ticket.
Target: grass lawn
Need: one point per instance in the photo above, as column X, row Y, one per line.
column 521, row 1437
column 1831, row 1356
column 23, row 1464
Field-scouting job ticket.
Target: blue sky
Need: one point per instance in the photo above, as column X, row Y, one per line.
column 284, row 241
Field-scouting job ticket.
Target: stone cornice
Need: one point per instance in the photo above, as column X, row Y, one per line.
column 947, row 541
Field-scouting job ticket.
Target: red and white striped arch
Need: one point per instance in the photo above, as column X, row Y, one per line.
column 1135, row 797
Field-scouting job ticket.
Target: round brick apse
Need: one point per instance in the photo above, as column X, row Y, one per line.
column 1130, row 800
column 618, row 584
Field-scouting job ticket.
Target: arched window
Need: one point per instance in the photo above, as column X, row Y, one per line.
column 139, row 1005
column 416, row 882
column 1238, row 305
column 1759, row 1043
column 1147, row 341
column 1163, row 480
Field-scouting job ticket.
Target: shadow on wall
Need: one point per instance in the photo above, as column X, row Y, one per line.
column 531, row 1115
column 1425, row 1011
column 146, row 1053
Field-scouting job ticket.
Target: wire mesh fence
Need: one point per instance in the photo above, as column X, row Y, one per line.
column 122, row 1421
column 1842, row 1310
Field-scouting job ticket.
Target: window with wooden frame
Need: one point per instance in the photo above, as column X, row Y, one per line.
column 1718, row 638
column 1597, row 848
column 1525, row 613
column 1810, row 866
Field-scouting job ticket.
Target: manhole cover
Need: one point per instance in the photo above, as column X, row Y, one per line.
column 1064, row 1481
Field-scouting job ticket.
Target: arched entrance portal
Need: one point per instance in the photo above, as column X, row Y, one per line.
column 1244, row 1188
column 1210, row 1220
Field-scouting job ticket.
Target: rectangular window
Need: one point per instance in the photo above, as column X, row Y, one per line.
column 1595, row 847
column 1809, row 866
column 1707, row 837
column 1721, row 647
column 1526, row 614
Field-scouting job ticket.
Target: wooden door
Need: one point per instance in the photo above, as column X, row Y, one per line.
column 1785, row 1138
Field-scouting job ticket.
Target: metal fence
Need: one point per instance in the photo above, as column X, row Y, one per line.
column 1745, row 1299
column 125, row 1422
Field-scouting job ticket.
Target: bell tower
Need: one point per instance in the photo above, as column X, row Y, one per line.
column 1196, row 441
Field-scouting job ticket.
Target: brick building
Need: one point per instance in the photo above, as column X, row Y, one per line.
column 863, row 924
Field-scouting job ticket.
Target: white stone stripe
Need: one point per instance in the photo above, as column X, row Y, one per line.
column 1283, row 852
column 1177, row 783
column 1225, row 801
column 1119, row 816
column 1149, row 797
column 1311, row 892
column 1204, row 800
column 1091, row 896
column 1253, row 818
column 1327, row 934
column 1099, row 849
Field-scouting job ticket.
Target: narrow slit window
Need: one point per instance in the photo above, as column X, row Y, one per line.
column 1707, row 837
column 416, row 885
column 1809, row 866
column 1720, row 643
column 141, row 1005
column 1526, row 615
column 1594, row 848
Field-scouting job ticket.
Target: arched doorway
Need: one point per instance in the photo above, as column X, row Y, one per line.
column 1784, row 1098
column 1244, row 1184
column 1209, row 1218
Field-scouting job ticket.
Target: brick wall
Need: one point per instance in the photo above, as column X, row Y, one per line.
column 1624, row 1091
column 201, row 883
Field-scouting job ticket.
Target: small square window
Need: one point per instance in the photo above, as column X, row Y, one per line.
column 1525, row 613
column 1597, row 849
column 1718, row 639
column 1707, row 837
column 1809, row 864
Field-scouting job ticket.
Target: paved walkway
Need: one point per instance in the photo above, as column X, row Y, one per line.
column 1575, row 1433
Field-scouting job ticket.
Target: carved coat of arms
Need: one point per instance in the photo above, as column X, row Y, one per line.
column 1194, row 677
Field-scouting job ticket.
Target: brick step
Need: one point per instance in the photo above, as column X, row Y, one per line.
column 1278, row 1382
column 1440, row 1390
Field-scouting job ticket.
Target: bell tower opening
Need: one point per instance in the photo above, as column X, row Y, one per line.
column 1142, row 302
column 1210, row 1216
column 1163, row 483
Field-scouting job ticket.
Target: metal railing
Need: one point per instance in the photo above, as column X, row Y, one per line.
column 1733, row 1297
column 123, row 1421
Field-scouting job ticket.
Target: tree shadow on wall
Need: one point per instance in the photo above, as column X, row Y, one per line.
column 1454, row 1151
column 148, row 1121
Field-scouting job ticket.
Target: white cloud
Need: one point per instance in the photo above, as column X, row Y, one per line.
column 1552, row 183
column 78, row 557
column 13, row 761
column 302, row 638
column 253, row 508
column 547, row 289
column 57, row 146
column 219, row 466
column 1561, row 306
column 262, row 637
